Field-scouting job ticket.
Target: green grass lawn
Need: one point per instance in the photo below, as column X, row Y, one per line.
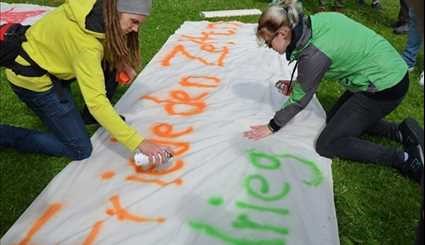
column 374, row 204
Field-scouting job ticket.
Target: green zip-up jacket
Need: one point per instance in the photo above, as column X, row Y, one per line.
column 62, row 44
column 334, row 47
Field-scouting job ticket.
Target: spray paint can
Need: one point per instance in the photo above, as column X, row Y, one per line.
column 284, row 86
column 142, row 160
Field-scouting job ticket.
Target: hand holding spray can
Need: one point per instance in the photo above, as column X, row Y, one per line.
column 142, row 160
column 284, row 86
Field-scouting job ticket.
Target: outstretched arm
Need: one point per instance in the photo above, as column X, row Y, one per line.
column 312, row 67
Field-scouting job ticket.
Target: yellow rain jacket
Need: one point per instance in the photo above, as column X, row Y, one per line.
column 61, row 44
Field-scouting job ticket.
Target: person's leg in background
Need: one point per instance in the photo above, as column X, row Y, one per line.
column 67, row 135
column 402, row 24
column 414, row 43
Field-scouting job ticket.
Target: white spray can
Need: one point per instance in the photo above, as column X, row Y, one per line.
column 142, row 160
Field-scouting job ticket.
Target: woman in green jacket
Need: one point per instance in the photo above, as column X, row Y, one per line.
column 335, row 47
column 73, row 42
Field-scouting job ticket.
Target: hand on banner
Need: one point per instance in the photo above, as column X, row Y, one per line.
column 257, row 132
column 157, row 154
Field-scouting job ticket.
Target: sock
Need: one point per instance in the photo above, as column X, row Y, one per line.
column 406, row 156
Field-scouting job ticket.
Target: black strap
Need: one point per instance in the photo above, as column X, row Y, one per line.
column 17, row 31
column 292, row 75
column 34, row 70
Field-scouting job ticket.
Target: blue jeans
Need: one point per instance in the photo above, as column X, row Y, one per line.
column 66, row 134
column 414, row 42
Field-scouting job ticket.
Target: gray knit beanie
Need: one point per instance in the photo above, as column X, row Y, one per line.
column 142, row 7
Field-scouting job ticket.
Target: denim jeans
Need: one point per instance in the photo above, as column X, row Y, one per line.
column 403, row 14
column 354, row 115
column 414, row 42
column 66, row 134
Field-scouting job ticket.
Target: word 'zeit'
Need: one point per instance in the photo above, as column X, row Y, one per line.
column 207, row 43
column 243, row 221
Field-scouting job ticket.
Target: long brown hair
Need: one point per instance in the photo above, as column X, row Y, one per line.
column 120, row 48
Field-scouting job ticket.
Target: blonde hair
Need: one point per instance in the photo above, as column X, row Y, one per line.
column 281, row 13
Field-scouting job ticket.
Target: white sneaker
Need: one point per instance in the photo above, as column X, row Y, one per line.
column 421, row 80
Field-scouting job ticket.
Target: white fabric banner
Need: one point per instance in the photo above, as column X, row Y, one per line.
column 204, row 88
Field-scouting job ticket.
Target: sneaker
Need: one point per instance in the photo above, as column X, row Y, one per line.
column 403, row 29
column 376, row 5
column 412, row 137
column 398, row 23
column 411, row 133
column 413, row 168
column 421, row 80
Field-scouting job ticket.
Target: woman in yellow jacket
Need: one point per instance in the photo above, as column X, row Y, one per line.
column 72, row 42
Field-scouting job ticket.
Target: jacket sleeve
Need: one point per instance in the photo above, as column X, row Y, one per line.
column 312, row 67
column 89, row 74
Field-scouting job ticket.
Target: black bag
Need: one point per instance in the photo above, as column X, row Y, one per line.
column 12, row 35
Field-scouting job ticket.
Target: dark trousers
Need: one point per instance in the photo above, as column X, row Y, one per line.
column 354, row 115
column 66, row 135
column 403, row 14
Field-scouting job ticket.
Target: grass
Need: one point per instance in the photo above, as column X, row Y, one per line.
column 374, row 204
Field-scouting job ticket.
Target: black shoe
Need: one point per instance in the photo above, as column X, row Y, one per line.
column 376, row 5
column 413, row 168
column 360, row 2
column 397, row 24
column 413, row 143
column 411, row 133
column 400, row 30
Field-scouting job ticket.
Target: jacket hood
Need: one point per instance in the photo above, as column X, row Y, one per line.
column 78, row 10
